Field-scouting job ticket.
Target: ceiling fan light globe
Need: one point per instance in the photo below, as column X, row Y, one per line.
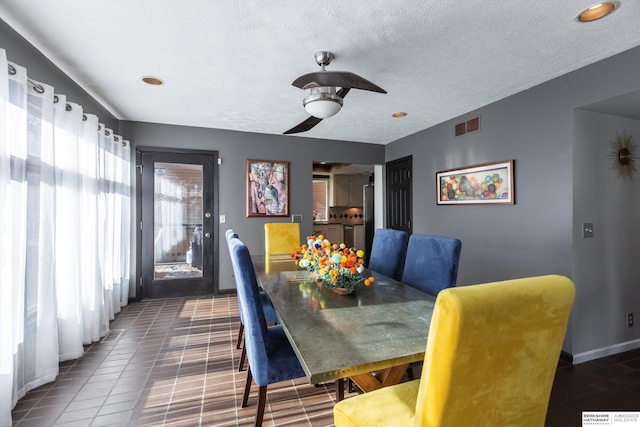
column 323, row 108
column 323, row 102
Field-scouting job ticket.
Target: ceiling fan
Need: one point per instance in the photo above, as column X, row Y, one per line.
column 324, row 99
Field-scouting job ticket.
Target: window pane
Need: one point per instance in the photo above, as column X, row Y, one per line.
column 178, row 220
column 320, row 199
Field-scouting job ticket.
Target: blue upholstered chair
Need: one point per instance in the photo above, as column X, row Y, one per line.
column 388, row 252
column 271, row 357
column 431, row 264
column 229, row 234
column 269, row 311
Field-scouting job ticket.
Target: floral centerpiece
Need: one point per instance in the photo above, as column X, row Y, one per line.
column 338, row 267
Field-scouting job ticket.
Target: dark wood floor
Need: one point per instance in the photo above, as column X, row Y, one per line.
column 174, row 363
column 611, row 383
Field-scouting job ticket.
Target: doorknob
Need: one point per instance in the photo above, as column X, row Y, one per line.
column 207, row 235
column 207, row 215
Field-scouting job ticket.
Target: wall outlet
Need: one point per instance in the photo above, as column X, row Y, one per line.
column 629, row 320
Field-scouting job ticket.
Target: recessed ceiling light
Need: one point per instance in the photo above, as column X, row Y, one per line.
column 152, row 81
column 597, row 11
column 399, row 114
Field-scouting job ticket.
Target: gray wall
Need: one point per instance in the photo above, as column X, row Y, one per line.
column 536, row 235
column 234, row 148
column 39, row 68
column 606, row 266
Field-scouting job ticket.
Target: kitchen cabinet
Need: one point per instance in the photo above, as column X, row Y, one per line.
column 356, row 182
column 340, row 190
column 332, row 232
column 347, row 189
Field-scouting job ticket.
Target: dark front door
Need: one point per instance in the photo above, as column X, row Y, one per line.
column 399, row 194
column 178, row 227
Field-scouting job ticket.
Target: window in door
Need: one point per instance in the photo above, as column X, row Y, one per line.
column 177, row 220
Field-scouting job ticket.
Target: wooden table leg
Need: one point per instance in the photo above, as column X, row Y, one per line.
column 340, row 389
column 374, row 381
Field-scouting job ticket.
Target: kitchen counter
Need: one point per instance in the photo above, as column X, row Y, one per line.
column 338, row 232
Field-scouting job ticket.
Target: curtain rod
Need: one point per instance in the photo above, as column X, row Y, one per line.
column 38, row 88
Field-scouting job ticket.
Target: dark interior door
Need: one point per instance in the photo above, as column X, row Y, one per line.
column 399, row 194
column 178, row 225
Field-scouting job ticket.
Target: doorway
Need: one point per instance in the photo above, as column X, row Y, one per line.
column 400, row 194
column 178, row 207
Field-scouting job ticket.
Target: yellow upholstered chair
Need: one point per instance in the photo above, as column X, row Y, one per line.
column 281, row 238
column 491, row 358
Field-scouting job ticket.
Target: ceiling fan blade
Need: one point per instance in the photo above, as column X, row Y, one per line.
column 343, row 79
column 343, row 92
column 304, row 126
column 312, row 121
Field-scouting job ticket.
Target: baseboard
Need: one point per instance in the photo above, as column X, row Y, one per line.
column 606, row 351
column 220, row 292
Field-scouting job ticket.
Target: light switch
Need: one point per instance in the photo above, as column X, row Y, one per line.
column 587, row 230
column 223, row 219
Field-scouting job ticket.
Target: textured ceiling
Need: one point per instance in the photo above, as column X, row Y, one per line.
column 230, row 64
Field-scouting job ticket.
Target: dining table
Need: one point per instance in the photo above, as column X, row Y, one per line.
column 370, row 336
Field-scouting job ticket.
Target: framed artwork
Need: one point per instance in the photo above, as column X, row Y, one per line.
column 490, row 183
column 267, row 188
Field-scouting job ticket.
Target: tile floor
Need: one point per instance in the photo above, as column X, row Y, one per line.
column 168, row 363
column 174, row 363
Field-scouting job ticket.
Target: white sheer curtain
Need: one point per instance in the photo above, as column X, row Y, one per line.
column 169, row 210
column 64, row 232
